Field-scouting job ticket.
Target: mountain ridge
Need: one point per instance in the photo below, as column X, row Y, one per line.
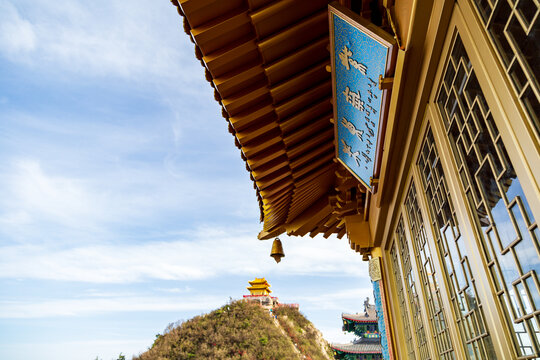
column 241, row 330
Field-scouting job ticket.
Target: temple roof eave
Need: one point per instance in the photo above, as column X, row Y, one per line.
column 358, row 348
column 361, row 317
column 267, row 64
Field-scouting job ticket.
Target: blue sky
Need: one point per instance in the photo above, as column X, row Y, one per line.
column 125, row 205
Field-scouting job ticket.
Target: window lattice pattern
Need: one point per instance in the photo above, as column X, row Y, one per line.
column 402, row 302
column 509, row 231
column 450, row 243
column 414, row 301
column 514, row 29
column 426, row 270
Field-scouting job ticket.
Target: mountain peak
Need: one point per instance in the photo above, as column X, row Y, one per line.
column 242, row 330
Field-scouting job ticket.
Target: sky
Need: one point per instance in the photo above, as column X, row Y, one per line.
column 125, row 205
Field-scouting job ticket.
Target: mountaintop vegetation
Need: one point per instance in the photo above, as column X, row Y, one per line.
column 241, row 330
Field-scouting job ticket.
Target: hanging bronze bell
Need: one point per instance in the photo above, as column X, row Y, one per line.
column 277, row 250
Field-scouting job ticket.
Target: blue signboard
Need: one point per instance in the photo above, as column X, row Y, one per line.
column 360, row 55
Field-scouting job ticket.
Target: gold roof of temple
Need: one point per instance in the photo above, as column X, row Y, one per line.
column 259, row 284
column 267, row 62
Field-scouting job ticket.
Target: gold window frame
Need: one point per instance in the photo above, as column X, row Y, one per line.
column 523, row 149
column 506, row 23
column 520, row 144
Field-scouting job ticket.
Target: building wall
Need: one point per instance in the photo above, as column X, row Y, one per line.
column 460, row 241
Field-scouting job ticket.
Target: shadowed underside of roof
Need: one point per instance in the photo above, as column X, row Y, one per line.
column 267, row 62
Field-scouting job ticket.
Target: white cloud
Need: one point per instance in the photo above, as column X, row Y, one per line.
column 96, row 38
column 338, row 299
column 204, row 254
column 34, row 196
column 95, row 202
column 175, row 290
column 16, row 218
column 333, row 334
column 90, row 306
column 57, row 197
column 17, row 36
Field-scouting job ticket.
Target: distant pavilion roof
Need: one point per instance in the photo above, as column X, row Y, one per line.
column 267, row 62
column 359, row 348
column 366, row 317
